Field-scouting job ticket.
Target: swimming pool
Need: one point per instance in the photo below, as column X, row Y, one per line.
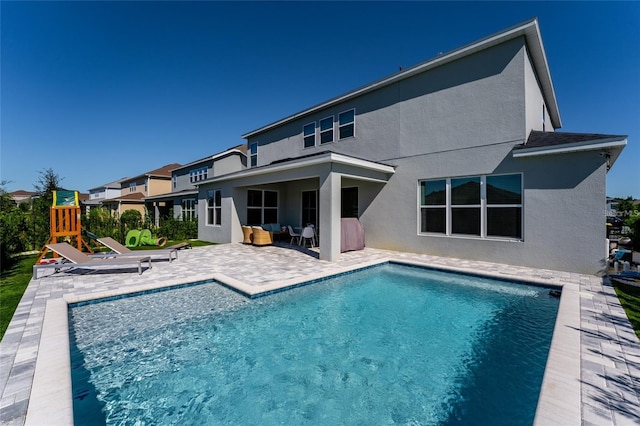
column 390, row 344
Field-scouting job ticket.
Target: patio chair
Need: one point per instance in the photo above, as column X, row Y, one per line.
column 261, row 237
column 168, row 253
column 248, row 234
column 308, row 233
column 293, row 235
column 74, row 258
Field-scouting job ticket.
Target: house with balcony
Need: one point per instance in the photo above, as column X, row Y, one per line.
column 457, row 156
column 182, row 200
column 133, row 190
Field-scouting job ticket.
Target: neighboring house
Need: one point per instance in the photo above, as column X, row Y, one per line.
column 22, row 196
column 135, row 189
column 456, row 157
column 183, row 197
column 101, row 193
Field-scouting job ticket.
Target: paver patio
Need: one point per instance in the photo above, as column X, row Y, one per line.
column 594, row 353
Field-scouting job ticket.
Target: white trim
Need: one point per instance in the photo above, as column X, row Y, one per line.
column 329, row 157
column 332, row 130
column 574, row 147
column 304, row 136
column 353, row 123
column 212, row 158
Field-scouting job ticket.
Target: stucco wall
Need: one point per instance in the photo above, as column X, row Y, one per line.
column 563, row 224
column 475, row 101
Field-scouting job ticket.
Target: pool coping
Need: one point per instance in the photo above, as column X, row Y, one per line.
column 559, row 401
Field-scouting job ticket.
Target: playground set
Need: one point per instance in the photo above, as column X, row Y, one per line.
column 65, row 223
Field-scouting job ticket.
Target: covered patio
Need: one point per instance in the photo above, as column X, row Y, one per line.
column 318, row 189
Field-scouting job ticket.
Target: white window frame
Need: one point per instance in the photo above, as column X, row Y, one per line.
column 214, row 211
column 310, row 135
column 484, row 206
column 262, row 207
column 253, row 156
column 188, row 209
column 331, row 129
column 341, row 125
column 132, row 187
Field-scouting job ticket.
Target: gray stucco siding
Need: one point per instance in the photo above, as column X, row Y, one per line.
column 475, row 101
column 561, row 225
column 536, row 107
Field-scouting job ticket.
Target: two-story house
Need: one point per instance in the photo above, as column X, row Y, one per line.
column 135, row 189
column 182, row 200
column 456, row 156
column 101, row 193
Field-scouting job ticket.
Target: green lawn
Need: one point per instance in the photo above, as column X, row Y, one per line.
column 14, row 281
column 629, row 297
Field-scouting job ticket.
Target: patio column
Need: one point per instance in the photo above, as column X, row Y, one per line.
column 329, row 226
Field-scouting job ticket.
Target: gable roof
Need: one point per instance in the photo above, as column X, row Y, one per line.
column 162, row 172
column 528, row 29
column 240, row 149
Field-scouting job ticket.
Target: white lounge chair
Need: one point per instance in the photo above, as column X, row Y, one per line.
column 169, row 253
column 74, row 258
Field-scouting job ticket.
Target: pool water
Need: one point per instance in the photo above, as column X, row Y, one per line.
column 386, row 345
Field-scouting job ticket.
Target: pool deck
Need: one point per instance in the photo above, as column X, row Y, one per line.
column 592, row 375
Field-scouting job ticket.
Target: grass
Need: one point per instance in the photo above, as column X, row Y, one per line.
column 14, row 281
column 629, row 297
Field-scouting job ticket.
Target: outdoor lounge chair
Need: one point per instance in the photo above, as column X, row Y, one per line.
column 261, row 237
column 74, row 258
column 247, row 234
column 168, row 253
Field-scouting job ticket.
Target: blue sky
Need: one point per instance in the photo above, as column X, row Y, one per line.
column 102, row 90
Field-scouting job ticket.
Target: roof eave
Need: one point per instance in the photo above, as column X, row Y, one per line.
column 529, row 29
column 611, row 147
column 305, row 162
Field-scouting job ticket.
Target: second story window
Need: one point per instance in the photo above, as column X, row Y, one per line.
column 347, row 124
column 253, row 153
column 174, row 179
column 309, row 135
column 326, row 130
column 132, row 187
column 197, row 175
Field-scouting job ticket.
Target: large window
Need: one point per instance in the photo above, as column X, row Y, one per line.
column 326, row 130
column 188, row 209
column 309, row 131
column 253, row 154
column 346, row 124
column 482, row 206
column 214, row 207
column 262, row 207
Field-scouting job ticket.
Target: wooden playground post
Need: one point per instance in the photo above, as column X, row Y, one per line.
column 65, row 222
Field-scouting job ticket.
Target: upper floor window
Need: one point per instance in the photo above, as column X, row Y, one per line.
column 253, row 154
column 346, row 124
column 132, row 187
column 326, row 130
column 174, row 179
column 214, row 207
column 199, row 174
column 309, row 135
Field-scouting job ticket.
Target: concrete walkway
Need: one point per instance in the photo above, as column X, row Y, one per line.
column 592, row 375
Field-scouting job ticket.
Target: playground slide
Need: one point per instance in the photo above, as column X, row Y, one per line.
column 137, row 237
